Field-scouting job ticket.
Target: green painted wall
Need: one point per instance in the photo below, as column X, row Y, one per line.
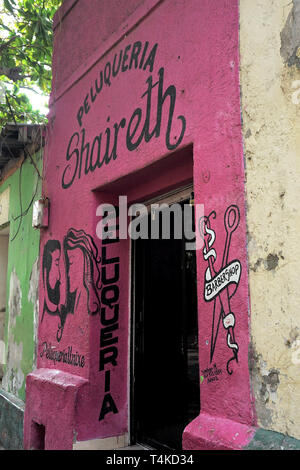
column 22, row 276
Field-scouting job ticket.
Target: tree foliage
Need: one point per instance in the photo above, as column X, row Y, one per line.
column 25, row 56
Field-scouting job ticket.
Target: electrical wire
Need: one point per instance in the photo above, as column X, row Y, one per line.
column 25, row 212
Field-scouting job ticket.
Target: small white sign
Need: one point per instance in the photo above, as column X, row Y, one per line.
column 37, row 214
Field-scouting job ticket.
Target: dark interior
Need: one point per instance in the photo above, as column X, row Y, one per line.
column 166, row 394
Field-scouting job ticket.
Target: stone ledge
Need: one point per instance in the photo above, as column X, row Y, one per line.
column 208, row 432
column 265, row 439
column 11, row 421
column 107, row 443
column 50, row 413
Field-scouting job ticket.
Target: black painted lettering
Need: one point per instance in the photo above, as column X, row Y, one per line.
column 86, row 104
column 131, row 133
column 150, row 61
column 85, row 147
column 98, row 163
column 135, row 54
column 116, row 128
column 93, row 97
column 109, row 241
column 162, row 96
column 106, row 335
column 114, row 71
column 107, row 381
column 106, row 260
column 125, row 57
column 99, row 87
column 146, row 133
column 107, row 72
column 108, row 406
column 110, row 280
column 143, row 54
column 108, row 356
column 106, row 157
column 110, row 295
column 105, row 317
column 69, row 155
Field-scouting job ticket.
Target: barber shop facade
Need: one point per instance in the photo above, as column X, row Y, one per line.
column 143, row 340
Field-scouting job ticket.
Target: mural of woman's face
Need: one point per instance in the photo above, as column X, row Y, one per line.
column 68, row 275
column 54, row 273
column 51, row 274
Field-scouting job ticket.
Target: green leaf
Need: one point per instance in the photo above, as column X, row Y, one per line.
column 31, row 51
column 5, row 27
column 8, row 6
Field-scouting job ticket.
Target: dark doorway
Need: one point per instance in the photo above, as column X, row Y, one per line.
column 165, row 379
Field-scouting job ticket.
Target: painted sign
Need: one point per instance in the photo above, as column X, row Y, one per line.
column 143, row 110
column 217, row 283
column 108, row 353
column 85, row 157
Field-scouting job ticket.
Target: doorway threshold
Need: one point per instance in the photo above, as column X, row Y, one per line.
column 136, row 447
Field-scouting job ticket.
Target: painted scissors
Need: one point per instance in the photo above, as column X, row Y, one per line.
column 222, row 300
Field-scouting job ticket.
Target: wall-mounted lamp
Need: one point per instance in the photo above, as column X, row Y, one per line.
column 40, row 214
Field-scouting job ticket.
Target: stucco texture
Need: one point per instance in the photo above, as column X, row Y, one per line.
column 271, row 130
column 22, row 278
column 186, row 97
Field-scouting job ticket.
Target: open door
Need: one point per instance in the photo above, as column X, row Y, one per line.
column 166, row 394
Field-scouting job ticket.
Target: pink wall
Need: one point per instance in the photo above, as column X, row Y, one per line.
column 195, row 60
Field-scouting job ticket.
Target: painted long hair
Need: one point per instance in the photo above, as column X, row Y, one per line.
column 78, row 239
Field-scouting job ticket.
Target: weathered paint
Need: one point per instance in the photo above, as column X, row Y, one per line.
column 13, row 377
column 4, row 219
column 11, row 421
column 3, row 258
column 269, row 440
column 3, row 262
column 197, row 73
column 33, row 297
column 55, row 390
column 217, row 433
column 270, row 84
column 4, row 206
column 22, row 260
